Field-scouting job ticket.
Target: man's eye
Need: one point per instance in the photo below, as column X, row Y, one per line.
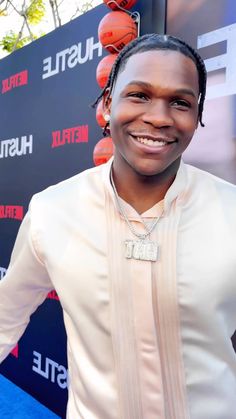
column 138, row 95
column 181, row 103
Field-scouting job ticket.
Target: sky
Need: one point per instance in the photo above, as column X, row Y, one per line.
column 14, row 21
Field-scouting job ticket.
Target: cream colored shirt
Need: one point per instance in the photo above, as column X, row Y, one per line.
column 146, row 340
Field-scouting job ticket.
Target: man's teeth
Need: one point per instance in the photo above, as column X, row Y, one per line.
column 155, row 143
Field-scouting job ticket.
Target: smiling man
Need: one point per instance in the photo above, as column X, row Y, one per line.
column 154, row 113
column 145, row 264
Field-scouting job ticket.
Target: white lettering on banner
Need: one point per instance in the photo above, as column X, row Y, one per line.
column 227, row 60
column 2, row 272
column 50, row 370
column 70, row 57
column 16, row 146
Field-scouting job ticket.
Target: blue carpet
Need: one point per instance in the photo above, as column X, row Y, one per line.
column 17, row 404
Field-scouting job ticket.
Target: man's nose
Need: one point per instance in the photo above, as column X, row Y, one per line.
column 158, row 114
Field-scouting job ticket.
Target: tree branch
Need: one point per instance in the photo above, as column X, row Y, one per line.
column 57, row 12
column 51, row 2
column 18, row 37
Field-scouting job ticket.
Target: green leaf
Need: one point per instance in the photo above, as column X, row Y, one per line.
column 8, row 41
column 35, row 12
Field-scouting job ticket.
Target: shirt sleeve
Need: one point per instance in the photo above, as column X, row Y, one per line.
column 23, row 288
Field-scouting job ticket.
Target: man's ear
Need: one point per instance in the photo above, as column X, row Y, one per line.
column 106, row 101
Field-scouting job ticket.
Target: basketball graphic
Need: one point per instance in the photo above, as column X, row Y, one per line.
column 99, row 115
column 116, row 30
column 103, row 151
column 104, row 68
column 125, row 4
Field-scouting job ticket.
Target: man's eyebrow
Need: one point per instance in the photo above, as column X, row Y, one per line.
column 139, row 83
column 182, row 90
column 186, row 91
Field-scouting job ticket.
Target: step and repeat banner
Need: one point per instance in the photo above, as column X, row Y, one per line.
column 48, row 132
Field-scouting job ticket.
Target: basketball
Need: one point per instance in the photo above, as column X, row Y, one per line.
column 104, row 68
column 115, row 30
column 99, row 115
column 125, row 4
column 103, row 151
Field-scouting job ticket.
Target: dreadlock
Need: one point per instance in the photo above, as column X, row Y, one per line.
column 157, row 42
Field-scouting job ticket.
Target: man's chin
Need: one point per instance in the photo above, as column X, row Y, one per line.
column 157, row 170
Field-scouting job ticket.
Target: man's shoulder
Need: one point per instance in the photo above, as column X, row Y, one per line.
column 206, row 181
column 201, row 174
column 70, row 189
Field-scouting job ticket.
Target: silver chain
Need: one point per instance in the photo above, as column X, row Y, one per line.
column 133, row 231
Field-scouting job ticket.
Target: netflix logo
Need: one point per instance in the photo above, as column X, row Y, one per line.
column 12, row 211
column 78, row 134
column 16, row 80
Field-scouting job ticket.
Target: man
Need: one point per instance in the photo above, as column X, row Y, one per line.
column 145, row 264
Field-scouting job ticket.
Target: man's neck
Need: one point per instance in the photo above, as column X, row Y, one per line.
column 141, row 192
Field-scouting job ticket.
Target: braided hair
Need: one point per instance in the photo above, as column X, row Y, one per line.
column 154, row 41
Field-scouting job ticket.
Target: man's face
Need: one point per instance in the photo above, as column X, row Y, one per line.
column 154, row 111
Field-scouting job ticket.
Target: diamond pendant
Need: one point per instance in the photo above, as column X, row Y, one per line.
column 141, row 250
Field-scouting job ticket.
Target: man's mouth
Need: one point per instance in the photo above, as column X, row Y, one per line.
column 153, row 141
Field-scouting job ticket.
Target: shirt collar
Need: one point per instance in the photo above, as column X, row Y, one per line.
column 178, row 188
column 175, row 192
